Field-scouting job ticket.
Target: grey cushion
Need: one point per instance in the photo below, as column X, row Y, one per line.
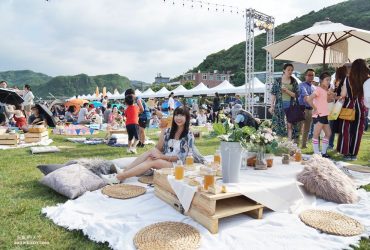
column 48, row 168
column 73, row 181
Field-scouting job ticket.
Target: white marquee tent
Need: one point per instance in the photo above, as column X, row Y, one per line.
column 200, row 89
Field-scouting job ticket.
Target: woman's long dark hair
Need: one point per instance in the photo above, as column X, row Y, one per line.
column 182, row 110
column 357, row 77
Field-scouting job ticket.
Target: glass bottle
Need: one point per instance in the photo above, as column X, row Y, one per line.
column 189, row 161
column 217, row 157
column 179, row 170
column 298, row 155
column 209, row 178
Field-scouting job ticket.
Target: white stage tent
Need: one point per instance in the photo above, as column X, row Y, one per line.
column 163, row 92
column 147, row 93
column 180, row 89
column 223, row 88
column 259, row 87
column 200, row 89
column 137, row 92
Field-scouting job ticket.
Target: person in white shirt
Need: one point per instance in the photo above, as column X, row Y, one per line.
column 367, row 93
column 202, row 117
column 82, row 115
column 28, row 100
column 171, row 102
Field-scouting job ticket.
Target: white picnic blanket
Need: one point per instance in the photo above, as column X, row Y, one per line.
column 116, row 221
column 25, row 145
column 275, row 188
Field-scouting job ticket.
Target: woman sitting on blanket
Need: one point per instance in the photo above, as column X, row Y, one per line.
column 174, row 144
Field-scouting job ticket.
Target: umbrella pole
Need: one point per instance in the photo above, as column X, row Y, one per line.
column 324, row 64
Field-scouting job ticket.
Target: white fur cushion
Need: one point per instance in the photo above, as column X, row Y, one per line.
column 322, row 178
column 73, row 181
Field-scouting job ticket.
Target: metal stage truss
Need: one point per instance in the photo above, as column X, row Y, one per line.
column 253, row 20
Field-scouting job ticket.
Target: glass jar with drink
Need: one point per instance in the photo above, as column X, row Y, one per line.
column 298, row 155
column 209, row 178
column 189, row 161
column 179, row 170
column 217, row 157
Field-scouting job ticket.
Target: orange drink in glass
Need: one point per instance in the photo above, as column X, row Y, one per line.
column 298, row 156
column 217, row 157
column 209, row 178
column 179, row 171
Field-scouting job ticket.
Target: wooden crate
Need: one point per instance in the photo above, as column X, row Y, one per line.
column 9, row 136
column 33, row 139
column 9, row 139
column 207, row 208
column 36, row 135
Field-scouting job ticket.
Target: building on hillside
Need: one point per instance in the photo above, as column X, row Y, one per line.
column 209, row 79
column 161, row 79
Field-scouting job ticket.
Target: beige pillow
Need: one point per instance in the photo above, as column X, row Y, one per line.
column 73, row 181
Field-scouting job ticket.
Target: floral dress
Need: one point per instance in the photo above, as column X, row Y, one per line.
column 278, row 118
column 181, row 147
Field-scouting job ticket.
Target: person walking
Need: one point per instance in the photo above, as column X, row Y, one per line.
column 318, row 101
column 28, row 100
column 340, row 76
column 353, row 94
column 283, row 91
column 305, row 90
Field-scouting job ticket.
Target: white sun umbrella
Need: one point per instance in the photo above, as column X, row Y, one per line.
column 163, row 92
column 148, row 93
column 223, row 88
column 200, row 89
column 324, row 42
column 180, row 90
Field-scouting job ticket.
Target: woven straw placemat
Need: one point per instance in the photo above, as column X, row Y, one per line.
column 146, row 179
column 358, row 168
column 331, row 222
column 167, row 236
column 123, row 191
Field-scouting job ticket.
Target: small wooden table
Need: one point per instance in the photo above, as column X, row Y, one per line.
column 207, row 208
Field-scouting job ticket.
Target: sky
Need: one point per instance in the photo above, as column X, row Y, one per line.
column 134, row 38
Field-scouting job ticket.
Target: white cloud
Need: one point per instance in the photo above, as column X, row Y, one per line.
column 135, row 38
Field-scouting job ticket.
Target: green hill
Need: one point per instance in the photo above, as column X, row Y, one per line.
column 21, row 77
column 355, row 13
column 67, row 86
column 64, row 86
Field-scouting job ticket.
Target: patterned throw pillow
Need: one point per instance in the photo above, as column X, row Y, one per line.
column 72, row 181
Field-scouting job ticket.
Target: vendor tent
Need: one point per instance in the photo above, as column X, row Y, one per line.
column 180, row 90
column 223, row 88
column 148, row 93
column 200, row 89
column 138, row 92
column 259, row 87
column 163, row 92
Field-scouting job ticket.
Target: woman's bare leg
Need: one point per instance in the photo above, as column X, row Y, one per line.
column 141, row 158
column 143, row 167
column 290, row 131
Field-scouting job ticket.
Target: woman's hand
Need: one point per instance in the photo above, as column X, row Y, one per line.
column 156, row 155
column 272, row 110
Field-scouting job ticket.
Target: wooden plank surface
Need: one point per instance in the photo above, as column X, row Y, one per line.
column 36, row 135
column 9, row 136
column 233, row 206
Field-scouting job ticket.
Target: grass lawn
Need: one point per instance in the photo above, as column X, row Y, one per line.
column 22, row 197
